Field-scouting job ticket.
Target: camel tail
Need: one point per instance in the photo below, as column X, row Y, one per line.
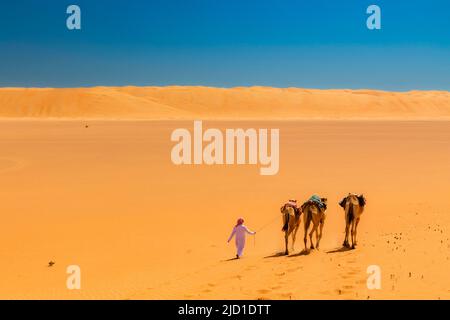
column 286, row 222
column 350, row 213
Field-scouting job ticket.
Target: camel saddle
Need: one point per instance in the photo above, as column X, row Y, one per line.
column 318, row 201
column 293, row 205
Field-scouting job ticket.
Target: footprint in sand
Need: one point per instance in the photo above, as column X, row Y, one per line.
column 342, row 292
column 348, row 287
column 287, row 295
column 350, row 274
column 325, row 293
column 11, row 164
column 353, row 273
column 276, row 287
column 264, row 291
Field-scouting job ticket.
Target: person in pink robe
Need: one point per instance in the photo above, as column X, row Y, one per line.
column 239, row 232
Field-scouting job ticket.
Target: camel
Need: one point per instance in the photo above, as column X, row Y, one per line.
column 353, row 206
column 291, row 223
column 316, row 214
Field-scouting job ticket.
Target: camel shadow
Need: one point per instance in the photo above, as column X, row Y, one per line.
column 341, row 249
column 301, row 253
column 276, row 255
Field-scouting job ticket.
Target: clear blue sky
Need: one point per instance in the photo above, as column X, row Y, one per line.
column 302, row 43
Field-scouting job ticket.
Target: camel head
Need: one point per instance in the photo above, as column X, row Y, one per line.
column 325, row 205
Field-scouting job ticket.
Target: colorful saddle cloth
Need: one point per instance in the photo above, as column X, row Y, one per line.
column 316, row 199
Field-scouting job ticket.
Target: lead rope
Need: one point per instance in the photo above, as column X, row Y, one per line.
column 267, row 224
column 263, row 227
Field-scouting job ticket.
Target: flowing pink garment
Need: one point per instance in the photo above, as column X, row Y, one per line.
column 239, row 233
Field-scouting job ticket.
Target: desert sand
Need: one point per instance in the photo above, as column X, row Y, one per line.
column 107, row 198
column 263, row 103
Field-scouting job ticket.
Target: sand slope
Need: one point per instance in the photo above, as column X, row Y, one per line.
column 177, row 102
column 108, row 199
column 81, row 103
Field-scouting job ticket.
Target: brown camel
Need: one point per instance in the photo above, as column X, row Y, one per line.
column 316, row 214
column 353, row 206
column 291, row 223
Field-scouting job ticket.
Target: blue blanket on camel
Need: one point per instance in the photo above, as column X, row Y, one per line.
column 318, row 200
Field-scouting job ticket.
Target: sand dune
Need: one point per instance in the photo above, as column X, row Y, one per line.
column 178, row 102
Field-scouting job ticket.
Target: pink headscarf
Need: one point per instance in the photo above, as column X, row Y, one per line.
column 240, row 221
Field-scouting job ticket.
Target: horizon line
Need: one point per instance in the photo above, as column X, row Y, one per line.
column 227, row 88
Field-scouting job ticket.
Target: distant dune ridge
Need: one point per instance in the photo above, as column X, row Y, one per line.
column 183, row 102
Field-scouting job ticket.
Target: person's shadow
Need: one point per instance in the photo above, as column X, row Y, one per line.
column 231, row 259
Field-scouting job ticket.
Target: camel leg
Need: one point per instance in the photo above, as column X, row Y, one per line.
column 317, row 238
column 347, row 229
column 356, row 231
column 353, row 233
column 294, row 234
column 286, row 240
column 314, row 229
column 305, row 238
column 320, row 233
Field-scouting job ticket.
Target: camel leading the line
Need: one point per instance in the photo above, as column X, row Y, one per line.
column 315, row 213
column 291, row 223
column 353, row 206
